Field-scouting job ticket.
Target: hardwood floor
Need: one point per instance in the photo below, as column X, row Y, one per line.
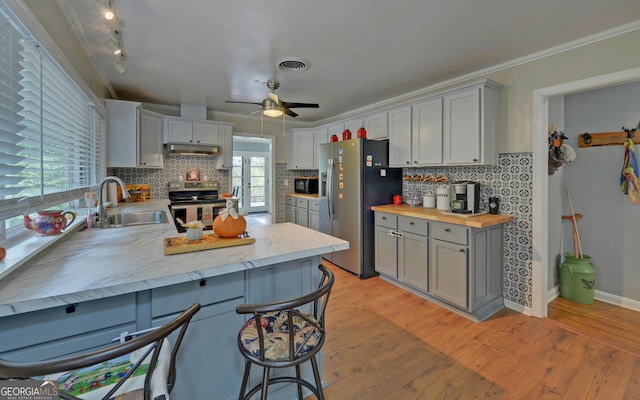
column 386, row 343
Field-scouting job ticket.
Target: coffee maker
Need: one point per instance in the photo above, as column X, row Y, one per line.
column 465, row 197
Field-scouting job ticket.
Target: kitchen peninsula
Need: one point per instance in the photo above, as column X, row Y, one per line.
column 455, row 260
column 95, row 284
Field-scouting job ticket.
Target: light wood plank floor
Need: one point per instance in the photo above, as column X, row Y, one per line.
column 386, row 343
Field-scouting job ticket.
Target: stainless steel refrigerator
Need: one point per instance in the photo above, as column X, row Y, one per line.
column 354, row 175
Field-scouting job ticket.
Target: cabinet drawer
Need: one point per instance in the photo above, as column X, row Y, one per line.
column 177, row 298
column 413, row 225
column 47, row 325
column 386, row 220
column 302, row 203
column 314, row 205
column 450, row 233
column 291, row 201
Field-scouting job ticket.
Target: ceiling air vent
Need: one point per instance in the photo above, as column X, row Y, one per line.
column 293, row 64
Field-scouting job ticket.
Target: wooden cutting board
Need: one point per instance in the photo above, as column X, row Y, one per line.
column 178, row 245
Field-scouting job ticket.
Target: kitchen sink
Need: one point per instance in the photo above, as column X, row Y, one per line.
column 132, row 218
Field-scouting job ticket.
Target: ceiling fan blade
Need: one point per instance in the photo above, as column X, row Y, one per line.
column 243, row 102
column 256, row 111
column 290, row 113
column 274, row 97
column 300, row 105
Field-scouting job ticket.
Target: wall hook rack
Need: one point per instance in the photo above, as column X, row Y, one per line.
column 608, row 138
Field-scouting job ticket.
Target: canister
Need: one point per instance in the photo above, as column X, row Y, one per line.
column 442, row 198
column 429, row 200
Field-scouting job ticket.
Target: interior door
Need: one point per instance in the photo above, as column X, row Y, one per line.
column 250, row 177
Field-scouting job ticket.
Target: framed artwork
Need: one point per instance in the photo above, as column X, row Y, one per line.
column 193, row 175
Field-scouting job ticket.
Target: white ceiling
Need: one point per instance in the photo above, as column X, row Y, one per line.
column 360, row 52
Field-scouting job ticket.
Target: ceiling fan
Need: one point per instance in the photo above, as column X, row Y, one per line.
column 272, row 106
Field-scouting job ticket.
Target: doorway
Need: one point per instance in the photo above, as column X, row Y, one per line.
column 540, row 267
column 251, row 173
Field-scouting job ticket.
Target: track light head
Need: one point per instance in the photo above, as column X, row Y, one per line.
column 119, row 66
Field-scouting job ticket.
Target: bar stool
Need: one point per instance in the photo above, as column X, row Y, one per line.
column 141, row 368
column 267, row 339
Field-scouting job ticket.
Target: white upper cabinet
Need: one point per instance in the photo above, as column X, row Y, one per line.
column 400, row 137
column 320, row 136
column 376, row 126
column 224, row 160
column 134, row 136
column 353, row 125
column 426, row 132
column 301, row 148
column 471, row 118
column 335, row 129
column 191, row 131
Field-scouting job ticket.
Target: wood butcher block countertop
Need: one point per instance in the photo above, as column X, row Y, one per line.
column 433, row 214
column 304, row 195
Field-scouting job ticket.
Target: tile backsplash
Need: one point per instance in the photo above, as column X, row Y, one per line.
column 175, row 166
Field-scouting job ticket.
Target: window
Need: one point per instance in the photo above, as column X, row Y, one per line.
column 51, row 135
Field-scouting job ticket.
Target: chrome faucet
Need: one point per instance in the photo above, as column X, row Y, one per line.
column 102, row 213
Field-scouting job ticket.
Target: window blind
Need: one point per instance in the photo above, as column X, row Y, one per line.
column 51, row 137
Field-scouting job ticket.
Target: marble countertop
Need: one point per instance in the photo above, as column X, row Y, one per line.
column 97, row 263
column 432, row 214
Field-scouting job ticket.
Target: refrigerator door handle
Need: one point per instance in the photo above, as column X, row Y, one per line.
column 329, row 184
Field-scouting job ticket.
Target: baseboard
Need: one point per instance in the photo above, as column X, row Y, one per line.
column 600, row 296
column 517, row 307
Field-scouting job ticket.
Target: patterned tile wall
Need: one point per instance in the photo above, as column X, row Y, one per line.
column 282, row 174
column 175, row 166
column 511, row 180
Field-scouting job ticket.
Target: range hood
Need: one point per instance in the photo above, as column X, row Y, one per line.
column 192, row 149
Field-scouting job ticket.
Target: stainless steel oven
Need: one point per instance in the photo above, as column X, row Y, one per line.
column 191, row 201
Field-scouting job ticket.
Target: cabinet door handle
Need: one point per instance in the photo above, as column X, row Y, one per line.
column 475, row 160
column 203, row 282
column 411, row 223
column 384, row 218
column 407, row 162
column 70, row 309
column 462, row 250
column 447, row 230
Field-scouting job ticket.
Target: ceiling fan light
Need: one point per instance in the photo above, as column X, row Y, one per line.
column 109, row 14
column 273, row 112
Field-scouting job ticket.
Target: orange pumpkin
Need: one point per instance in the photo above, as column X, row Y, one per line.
column 3, row 252
column 230, row 227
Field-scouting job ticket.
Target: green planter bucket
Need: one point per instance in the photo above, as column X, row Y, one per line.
column 577, row 279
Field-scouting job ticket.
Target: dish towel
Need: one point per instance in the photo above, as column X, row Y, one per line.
column 207, row 215
column 192, row 213
column 629, row 181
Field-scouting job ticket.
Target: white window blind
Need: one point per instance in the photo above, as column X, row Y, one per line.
column 51, row 137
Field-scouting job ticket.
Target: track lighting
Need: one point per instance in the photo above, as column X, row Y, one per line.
column 113, row 46
column 106, row 9
column 119, row 66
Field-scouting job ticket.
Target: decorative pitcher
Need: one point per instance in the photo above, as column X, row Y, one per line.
column 49, row 223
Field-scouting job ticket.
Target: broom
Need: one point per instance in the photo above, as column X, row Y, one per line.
column 575, row 225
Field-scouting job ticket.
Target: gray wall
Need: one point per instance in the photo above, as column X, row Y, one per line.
column 610, row 227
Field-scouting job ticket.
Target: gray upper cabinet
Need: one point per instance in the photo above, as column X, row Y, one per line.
column 471, row 119
column 353, row 125
column 399, row 120
column 134, row 136
column 426, row 132
column 376, row 126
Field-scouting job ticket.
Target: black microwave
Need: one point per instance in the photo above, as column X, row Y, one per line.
column 306, row 185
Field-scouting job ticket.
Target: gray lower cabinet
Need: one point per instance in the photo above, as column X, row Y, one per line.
column 413, row 252
column 466, row 267
column 402, row 250
column 291, row 209
column 456, row 265
column 209, row 364
column 386, row 244
column 314, row 215
column 63, row 331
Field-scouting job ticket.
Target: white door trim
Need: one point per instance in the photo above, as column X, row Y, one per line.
column 540, row 117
